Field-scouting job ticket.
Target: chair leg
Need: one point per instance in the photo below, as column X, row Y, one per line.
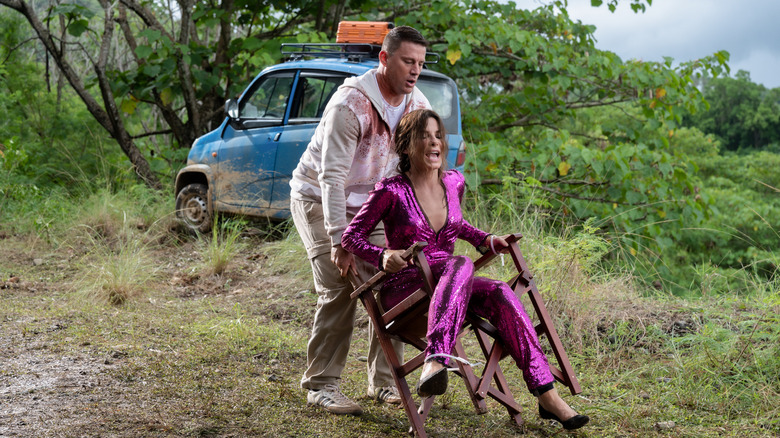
column 416, row 420
column 425, row 407
column 470, row 380
column 569, row 378
column 494, row 352
column 524, row 283
column 396, row 369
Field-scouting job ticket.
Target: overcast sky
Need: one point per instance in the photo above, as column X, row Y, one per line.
column 689, row 29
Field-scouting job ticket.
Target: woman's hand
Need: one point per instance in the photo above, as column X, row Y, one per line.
column 499, row 243
column 392, row 261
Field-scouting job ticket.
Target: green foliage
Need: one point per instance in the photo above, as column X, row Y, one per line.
column 636, row 5
column 49, row 138
column 741, row 114
column 732, row 250
column 159, row 74
column 28, row 209
column 545, row 107
column 76, row 17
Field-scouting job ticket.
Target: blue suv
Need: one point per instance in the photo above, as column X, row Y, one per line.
column 244, row 166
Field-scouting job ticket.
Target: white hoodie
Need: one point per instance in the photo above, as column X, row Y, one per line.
column 352, row 149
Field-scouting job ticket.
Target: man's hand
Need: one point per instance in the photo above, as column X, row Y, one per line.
column 392, row 261
column 343, row 259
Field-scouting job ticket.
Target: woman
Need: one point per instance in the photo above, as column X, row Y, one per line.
column 422, row 203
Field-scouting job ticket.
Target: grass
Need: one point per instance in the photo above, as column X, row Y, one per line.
column 117, row 275
column 200, row 355
column 219, row 249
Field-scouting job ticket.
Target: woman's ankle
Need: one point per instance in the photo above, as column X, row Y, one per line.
column 431, row 367
column 552, row 402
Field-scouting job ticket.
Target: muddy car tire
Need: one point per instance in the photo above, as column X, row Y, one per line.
column 192, row 208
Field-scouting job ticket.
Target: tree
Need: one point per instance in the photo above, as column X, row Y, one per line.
column 179, row 64
column 549, row 111
column 742, row 114
column 107, row 112
column 39, row 122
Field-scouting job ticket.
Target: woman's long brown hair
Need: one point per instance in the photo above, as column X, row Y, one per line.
column 409, row 135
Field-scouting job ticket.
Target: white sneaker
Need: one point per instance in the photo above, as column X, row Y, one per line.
column 387, row 394
column 332, row 400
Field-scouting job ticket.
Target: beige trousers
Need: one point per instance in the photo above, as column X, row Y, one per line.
column 334, row 316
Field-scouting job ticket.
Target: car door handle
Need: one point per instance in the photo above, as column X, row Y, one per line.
column 276, row 136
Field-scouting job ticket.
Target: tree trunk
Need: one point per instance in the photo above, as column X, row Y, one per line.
column 184, row 132
column 119, row 132
column 213, row 102
column 60, row 79
column 107, row 117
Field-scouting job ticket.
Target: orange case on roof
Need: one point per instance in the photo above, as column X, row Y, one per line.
column 366, row 32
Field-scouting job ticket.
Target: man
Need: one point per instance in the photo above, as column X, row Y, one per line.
column 352, row 149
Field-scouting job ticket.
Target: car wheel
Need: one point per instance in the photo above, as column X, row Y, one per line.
column 192, row 208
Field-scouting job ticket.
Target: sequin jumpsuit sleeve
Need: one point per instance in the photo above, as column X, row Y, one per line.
column 380, row 201
column 457, row 289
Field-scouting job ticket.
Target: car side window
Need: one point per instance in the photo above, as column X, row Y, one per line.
column 269, row 99
column 312, row 95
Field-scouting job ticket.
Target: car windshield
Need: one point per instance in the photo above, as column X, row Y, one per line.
column 441, row 95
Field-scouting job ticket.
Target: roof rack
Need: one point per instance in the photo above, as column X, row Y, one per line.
column 351, row 51
column 355, row 52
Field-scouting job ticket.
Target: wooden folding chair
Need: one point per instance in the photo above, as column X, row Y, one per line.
column 396, row 323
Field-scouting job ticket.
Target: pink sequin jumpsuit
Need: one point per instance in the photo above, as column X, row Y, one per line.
column 457, row 290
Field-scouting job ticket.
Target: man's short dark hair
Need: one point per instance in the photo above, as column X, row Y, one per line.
column 399, row 34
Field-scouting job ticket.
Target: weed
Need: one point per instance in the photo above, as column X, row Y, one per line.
column 117, row 273
column 219, row 249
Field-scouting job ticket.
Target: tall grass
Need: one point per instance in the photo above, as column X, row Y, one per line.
column 221, row 247
column 117, row 273
column 565, row 261
column 101, row 195
column 116, row 234
column 286, row 255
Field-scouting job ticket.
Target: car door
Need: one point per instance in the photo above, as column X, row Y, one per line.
column 313, row 90
column 246, row 159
